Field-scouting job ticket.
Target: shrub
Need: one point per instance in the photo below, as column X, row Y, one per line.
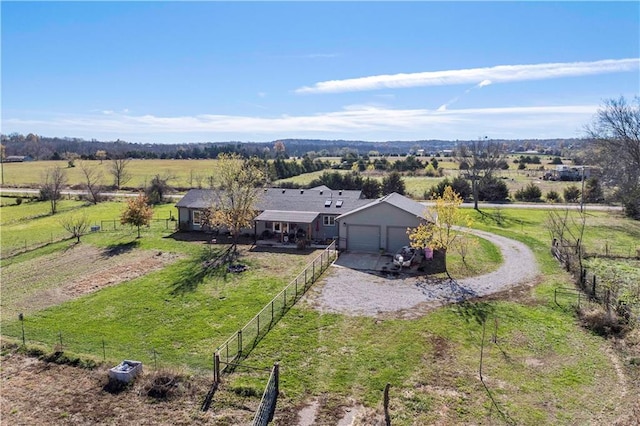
column 459, row 184
column 492, row 189
column 18, row 201
column 572, row 194
column 529, row 193
column 554, row 197
column 556, row 161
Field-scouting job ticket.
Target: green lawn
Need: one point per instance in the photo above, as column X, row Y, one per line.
column 31, row 224
column 542, row 369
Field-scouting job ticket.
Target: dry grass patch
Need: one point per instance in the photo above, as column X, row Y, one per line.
column 64, row 275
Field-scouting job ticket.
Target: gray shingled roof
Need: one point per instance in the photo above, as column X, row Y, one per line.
column 396, row 200
column 304, row 200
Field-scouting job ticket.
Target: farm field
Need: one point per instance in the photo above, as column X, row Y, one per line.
column 543, row 369
column 194, row 173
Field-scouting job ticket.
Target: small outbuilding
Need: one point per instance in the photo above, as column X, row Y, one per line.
column 381, row 225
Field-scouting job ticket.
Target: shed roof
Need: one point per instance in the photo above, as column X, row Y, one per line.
column 287, row 216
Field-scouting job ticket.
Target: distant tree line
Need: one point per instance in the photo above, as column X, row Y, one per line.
column 47, row 148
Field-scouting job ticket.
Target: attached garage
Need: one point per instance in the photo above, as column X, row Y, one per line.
column 380, row 224
column 363, row 238
column 396, row 238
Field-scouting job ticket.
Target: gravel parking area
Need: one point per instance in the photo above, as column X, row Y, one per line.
column 352, row 292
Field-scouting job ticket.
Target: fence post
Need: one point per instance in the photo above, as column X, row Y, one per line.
column 284, row 301
column 216, row 367
column 239, row 343
column 272, row 311
column 104, row 351
column 593, row 289
column 60, row 337
column 258, row 320
column 387, row 418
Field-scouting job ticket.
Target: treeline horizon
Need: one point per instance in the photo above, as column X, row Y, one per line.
column 58, row 148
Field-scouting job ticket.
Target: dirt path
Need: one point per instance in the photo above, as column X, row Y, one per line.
column 352, row 292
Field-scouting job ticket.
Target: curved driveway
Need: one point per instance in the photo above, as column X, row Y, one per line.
column 352, row 292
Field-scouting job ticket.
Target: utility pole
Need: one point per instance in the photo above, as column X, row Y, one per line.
column 582, row 193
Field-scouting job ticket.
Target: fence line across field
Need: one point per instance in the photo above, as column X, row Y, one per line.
column 235, row 347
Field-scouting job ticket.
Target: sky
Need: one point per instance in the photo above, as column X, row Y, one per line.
column 181, row 72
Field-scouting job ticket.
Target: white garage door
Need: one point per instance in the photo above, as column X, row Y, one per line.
column 396, row 238
column 364, row 238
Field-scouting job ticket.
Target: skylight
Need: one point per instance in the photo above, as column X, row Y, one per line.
column 327, row 203
column 339, row 203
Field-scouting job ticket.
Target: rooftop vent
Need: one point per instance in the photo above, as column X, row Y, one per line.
column 320, row 192
column 327, row 203
column 283, row 190
column 302, row 191
column 340, row 192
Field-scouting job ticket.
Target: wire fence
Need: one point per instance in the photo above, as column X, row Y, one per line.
column 88, row 348
column 238, row 346
column 615, row 251
column 608, row 294
column 267, row 407
column 23, row 245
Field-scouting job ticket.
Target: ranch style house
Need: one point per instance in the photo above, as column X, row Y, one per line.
column 319, row 215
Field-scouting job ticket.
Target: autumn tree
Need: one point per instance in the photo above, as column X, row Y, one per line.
column 615, row 147
column 479, row 160
column 76, row 225
column 92, row 181
column 120, row 171
column 438, row 232
column 235, row 193
column 51, row 184
column 137, row 213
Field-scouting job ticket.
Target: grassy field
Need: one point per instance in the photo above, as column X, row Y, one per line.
column 539, row 364
column 31, row 224
column 543, row 369
column 186, row 173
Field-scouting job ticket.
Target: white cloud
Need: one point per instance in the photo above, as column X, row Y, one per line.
column 354, row 121
column 480, row 76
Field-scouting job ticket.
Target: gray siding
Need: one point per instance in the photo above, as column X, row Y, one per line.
column 383, row 215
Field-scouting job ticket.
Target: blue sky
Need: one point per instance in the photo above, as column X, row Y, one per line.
column 174, row 72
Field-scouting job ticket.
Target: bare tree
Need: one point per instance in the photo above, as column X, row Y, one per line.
column 479, row 159
column 92, row 181
column 120, row 172
column 76, row 225
column 615, row 147
column 52, row 182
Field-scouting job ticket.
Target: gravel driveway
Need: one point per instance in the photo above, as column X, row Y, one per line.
column 352, row 292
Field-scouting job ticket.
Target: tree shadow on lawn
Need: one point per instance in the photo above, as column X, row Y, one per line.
column 499, row 218
column 210, row 262
column 120, row 248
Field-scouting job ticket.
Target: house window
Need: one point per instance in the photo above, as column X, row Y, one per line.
column 197, row 217
column 328, row 220
column 280, row 227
